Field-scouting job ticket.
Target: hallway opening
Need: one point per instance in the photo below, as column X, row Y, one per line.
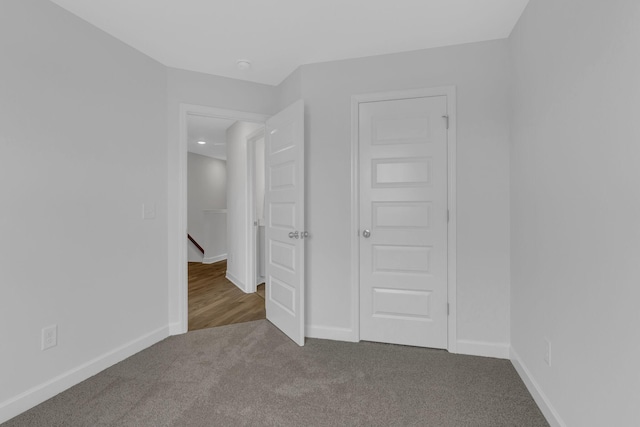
column 215, row 301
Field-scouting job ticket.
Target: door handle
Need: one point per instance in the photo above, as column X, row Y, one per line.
column 366, row 234
column 294, row 235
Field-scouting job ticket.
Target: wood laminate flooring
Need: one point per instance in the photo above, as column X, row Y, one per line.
column 215, row 301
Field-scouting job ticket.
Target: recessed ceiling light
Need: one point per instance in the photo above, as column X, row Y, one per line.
column 243, row 64
column 202, row 142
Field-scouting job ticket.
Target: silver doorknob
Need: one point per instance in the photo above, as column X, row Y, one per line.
column 293, row 235
column 366, row 234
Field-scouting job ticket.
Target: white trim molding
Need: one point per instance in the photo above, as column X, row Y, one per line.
column 252, row 230
column 175, row 328
column 213, row 259
column 356, row 100
column 329, row 333
column 549, row 412
column 38, row 394
column 239, row 283
column 484, row 349
column 181, row 301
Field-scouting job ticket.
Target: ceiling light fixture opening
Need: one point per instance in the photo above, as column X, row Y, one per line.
column 243, row 64
column 202, row 142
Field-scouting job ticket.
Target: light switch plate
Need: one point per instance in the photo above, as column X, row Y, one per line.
column 547, row 352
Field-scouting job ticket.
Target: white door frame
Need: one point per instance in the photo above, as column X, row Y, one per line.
column 356, row 100
column 252, row 235
column 183, row 275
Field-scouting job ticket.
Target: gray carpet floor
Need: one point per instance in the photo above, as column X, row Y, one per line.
column 250, row 374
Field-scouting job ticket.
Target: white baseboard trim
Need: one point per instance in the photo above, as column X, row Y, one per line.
column 549, row 412
column 212, row 259
column 330, row 333
column 38, row 394
column 177, row 328
column 233, row 279
column 484, row 349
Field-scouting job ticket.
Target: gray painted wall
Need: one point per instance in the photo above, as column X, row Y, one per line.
column 82, row 147
column 206, row 189
column 89, row 132
column 290, row 90
column 480, row 72
column 575, row 205
column 237, row 184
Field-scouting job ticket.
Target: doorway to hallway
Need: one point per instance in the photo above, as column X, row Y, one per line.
column 215, row 301
column 218, row 292
column 285, row 235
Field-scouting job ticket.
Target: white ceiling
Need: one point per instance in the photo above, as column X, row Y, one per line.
column 210, row 36
column 212, row 131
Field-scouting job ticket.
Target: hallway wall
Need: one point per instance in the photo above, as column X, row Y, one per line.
column 206, row 190
column 237, row 188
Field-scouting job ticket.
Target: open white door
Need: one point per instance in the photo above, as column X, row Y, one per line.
column 284, row 214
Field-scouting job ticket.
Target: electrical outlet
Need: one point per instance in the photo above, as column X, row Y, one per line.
column 547, row 352
column 148, row 211
column 49, row 337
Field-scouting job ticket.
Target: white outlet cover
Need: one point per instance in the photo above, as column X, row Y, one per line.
column 49, row 337
column 148, row 211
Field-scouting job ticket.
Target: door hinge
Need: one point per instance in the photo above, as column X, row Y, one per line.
column 446, row 120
